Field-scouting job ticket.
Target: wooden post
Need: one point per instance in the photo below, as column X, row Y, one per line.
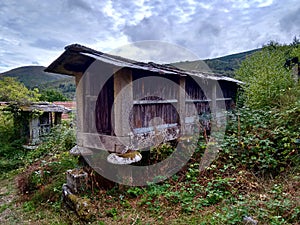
column 213, row 101
column 123, row 100
column 50, row 119
column 214, row 97
column 79, row 104
column 57, row 118
column 181, row 104
column 89, row 103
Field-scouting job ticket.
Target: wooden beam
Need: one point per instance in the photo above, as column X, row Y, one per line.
column 123, row 101
column 206, row 100
column 145, row 102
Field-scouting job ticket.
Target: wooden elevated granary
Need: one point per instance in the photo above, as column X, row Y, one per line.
column 124, row 103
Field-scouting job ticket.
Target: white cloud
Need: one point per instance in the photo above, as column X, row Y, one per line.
column 155, row 51
column 37, row 31
column 264, row 3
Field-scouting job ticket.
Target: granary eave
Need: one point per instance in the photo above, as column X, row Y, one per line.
column 70, row 63
column 124, row 64
column 78, row 58
column 158, row 68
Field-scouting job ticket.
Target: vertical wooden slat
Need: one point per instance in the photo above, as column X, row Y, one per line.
column 214, row 95
column 213, row 100
column 88, row 115
column 181, row 103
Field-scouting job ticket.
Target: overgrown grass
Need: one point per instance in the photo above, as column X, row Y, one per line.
column 11, row 151
column 256, row 175
column 265, row 142
column 41, row 175
column 46, row 165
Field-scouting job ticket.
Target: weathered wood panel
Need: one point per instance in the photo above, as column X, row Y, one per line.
column 102, row 142
column 150, row 86
column 144, row 115
column 79, row 101
column 194, row 90
column 123, row 101
column 228, row 89
column 103, row 109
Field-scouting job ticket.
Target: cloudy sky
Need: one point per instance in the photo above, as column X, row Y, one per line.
column 35, row 32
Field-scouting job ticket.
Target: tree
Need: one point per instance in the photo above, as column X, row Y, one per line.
column 296, row 41
column 268, row 83
column 51, row 95
column 13, row 90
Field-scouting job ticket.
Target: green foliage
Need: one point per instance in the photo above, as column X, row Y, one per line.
column 112, row 213
column 12, row 90
column 160, row 152
column 225, row 65
column 135, row 191
column 46, row 166
column 61, row 138
column 41, row 182
column 263, row 141
column 32, row 76
column 217, row 190
column 268, row 82
column 51, row 95
column 35, row 77
column 11, row 151
column 258, row 142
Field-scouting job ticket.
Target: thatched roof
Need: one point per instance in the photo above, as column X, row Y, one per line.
column 78, row 58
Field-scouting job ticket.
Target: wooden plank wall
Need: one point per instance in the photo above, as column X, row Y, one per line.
column 147, row 101
column 151, row 99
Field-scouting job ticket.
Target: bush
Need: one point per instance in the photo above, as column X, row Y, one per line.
column 47, row 164
column 11, row 151
column 263, row 141
column 61, row 139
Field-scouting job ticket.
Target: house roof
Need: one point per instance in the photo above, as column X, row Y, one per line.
column 45, row 107
column 40, row 106
column 70, row 105
column 77, row 58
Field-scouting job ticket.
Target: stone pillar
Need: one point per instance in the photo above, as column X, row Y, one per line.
column 296, row 72
column 34, row 130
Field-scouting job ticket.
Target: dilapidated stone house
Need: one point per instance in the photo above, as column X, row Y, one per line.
column 35, row 120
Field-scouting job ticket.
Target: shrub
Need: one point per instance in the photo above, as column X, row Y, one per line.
column 47, row 164
column 268, row 82
column 263, row 141
column 11, row 151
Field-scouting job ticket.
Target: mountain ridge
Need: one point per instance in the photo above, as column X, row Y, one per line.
column 224, row 65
